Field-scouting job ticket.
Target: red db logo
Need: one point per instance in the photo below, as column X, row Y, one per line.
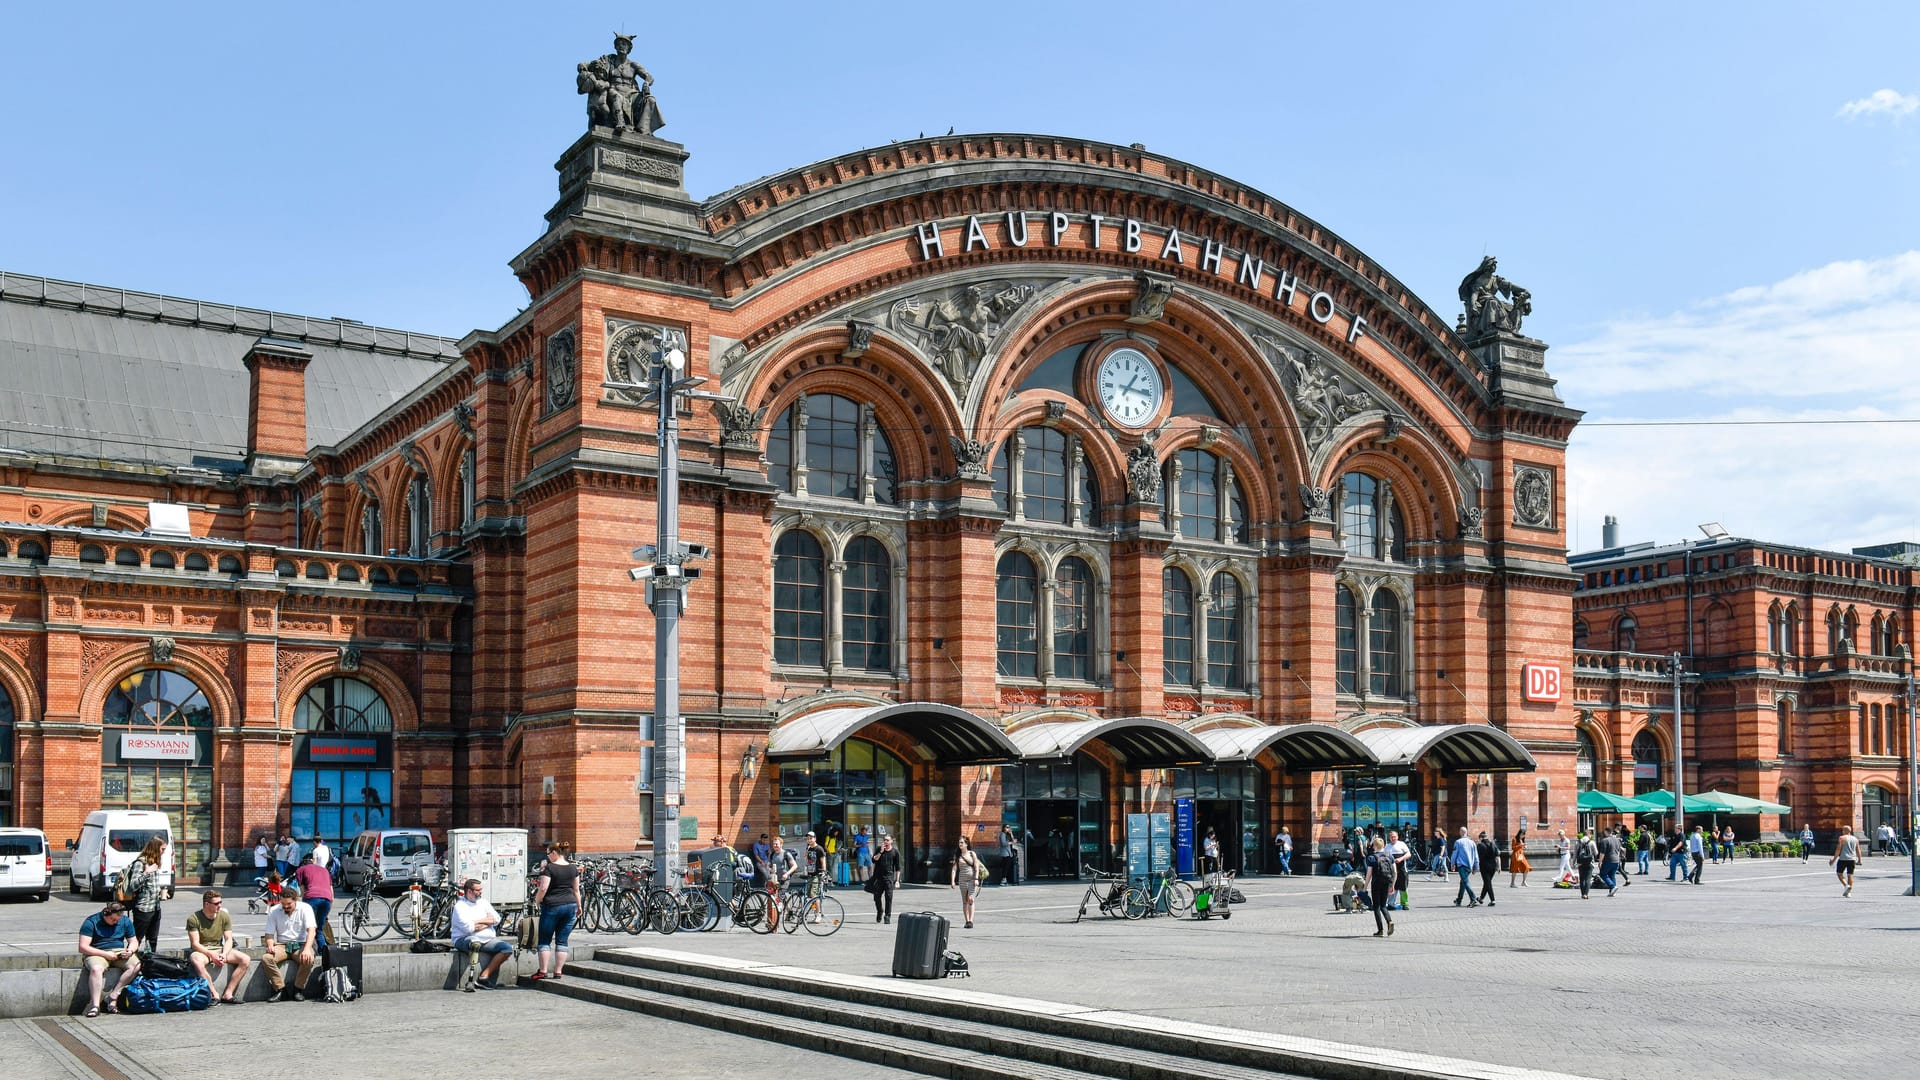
column 1541, row 682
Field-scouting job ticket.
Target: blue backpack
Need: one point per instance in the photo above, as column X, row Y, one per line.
column 167, row 995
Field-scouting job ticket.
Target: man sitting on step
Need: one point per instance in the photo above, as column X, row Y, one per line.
column 475, row 930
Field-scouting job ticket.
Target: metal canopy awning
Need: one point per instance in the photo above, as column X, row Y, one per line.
column 1144, row 741
column 1301, row 747
column 955, row 736
column 1451, row 748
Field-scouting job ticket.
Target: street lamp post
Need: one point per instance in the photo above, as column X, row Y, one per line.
column 1679, row 756
column 666, row 578
column 1913, row 783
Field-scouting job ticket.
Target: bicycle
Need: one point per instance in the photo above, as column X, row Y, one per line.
column 821, row 914
column 1144, row 899
column 365, row 916
column 1107, row 891
column 426, row 911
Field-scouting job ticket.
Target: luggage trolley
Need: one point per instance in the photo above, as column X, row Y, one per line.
column 1215, row 892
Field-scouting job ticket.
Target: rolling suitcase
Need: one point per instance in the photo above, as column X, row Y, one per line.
column 919, row 945
column 342, row 954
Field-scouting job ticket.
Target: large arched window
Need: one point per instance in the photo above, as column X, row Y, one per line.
column 1649, row 766
column 1371, row 526
column 156, row 753
column 1202, row 493
column 1346, row 640
column 1226, row 667
column 1073, row 608
column 1585, row 761
column 6, row 757
column 799, row 601
column 858, row 785
column 1054, row 482
column 1383, row 645
column 866, row 597
column 1016, row 616
column 342, row 778
column 843, row 454
column 1176, row 626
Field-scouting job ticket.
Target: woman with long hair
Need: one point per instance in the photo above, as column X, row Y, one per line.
column 1382, row 875
column 969, row 873
column 558, row 900
column 145, row 887
column 1517, row 865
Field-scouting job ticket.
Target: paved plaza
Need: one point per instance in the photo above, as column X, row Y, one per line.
column 1761, row 971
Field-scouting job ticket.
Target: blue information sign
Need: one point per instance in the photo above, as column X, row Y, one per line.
column 1183, row 836
column 1161, row 828
column 1139, row 847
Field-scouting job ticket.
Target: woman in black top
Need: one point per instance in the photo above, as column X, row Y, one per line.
column 558, row 898
column 886, row 876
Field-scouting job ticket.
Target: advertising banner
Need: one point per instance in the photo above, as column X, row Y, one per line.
column 1183, row 837
column 143, row 746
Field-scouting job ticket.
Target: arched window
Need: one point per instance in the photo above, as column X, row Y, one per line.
column 419, row 518
column 1790, row 631
column 342, row 780
column 1346, row 640
column 1866, row 731
column 866, row 597
column 469, row 485
column 1383, row 648
column 1073, row 620
column 1579, row 633
column 1200, row 486
column 1783, row 725
column 1586, row 760
column 1370, row 523
column 370, row 537
column 1850, row 628
column 1051, row 467
column 843, row 452
column 1017, row 616
column 1879, row 729
column 1626, row 634
column 799, row 601
column 1776, row 629
column 1649, row 767
column 1225, row 650
column 6, row 758
column 1836, row 632
column 1176, row 626
column 156, row 753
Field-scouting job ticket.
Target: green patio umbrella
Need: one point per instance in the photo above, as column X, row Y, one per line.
column 1662, row 802
column 1606, row 802
column 1726, row 802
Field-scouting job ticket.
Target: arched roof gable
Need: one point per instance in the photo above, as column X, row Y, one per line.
column 1144, row 741
column 952, row 735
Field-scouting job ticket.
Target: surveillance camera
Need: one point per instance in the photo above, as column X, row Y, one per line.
column 640, row 573
column 698, row 551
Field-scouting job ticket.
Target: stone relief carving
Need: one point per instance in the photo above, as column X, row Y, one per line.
column 463, row 415
column 957, row 326
column 1316, row 502
column 739, row 425
column 633, row 348
column 731, row 358
column 163, row 650
column 349, row 658
column 1323, row 397
column 971, row 456
column 1532, row 497
column 1470, row 519
column 1482, row 292
column 562, row 366
column 859, row 336
column 646, row 168
column 1151, row 301
column 619, row 91
column 1056, row 411
column 1143, row 473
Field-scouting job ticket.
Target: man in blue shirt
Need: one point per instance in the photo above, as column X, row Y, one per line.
column 106, row 941
column 1466, row 859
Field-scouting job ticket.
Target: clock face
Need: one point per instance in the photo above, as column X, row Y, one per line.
column 1129, row 387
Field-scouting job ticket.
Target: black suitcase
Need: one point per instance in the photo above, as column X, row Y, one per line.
column 918, row 945
column 343, row 954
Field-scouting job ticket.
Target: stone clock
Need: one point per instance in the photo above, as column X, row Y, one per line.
column 1129, row 387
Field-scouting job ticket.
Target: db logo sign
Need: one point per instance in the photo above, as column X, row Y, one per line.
column 1541, row 682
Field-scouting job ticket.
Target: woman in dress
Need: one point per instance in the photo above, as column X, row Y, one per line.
column 1517, row 865
column 969, row 873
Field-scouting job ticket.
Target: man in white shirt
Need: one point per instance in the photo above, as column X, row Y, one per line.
column 262, row 857
column 323, row 856
column 1401, row 853
column 289, row 935
column 474, row 930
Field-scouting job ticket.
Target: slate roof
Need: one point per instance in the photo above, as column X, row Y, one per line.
column 94, row 372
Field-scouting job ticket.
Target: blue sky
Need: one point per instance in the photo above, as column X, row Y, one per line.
column 1708, row 230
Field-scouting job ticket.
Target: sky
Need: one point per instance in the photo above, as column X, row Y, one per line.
column 1713, row 204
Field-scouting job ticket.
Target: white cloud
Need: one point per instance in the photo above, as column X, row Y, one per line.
column 1797, row 390
column 1882, row 102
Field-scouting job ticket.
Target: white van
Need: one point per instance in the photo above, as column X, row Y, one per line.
column 109, row 841
column 26, row 866
column 387, row 857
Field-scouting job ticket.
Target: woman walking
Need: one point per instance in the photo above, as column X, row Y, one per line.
column 1846, row 856
column 1382, row 873
column 885, row 876
column 1517, row 865
column 1563, row 848
column 144, row 886
column 969, row 873
column 558, row 900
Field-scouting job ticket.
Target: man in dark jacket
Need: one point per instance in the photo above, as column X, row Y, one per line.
column 1489, row 866
column 1585, row 854
column 886, row 877
column 1612, row 856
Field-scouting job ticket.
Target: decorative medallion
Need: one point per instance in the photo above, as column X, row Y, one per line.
column 562, row 367
column 739, row 425
column 1532, row 497
column 633, row 348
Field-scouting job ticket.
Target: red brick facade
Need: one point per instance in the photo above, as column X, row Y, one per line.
column 928, row 284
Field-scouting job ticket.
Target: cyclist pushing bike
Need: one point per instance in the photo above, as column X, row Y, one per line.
column 816, row 866
column 780, row 867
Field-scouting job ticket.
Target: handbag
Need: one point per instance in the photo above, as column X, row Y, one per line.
column 126, row 891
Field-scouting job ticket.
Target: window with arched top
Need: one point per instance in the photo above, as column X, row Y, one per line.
column 1054, row 483
column 1836, row 631
column 1203, row 496
column 1371, row 526
column 156, row 753
column 1783, row 725
column 1072, row 621
column 1626, row 634
column 1586, row 761
column 469, row 485
column 342, row 779
column 799, row 601
column 1226, row 646
column 6, row 758
column 831, row 447
column 1346, row 640
column 1580, row 633
column 1017, row 616
column 1790, row 630
column 1383, row 645
column 1649, row 765
column 866, row 602
column 1176, row 626
column 419, row 538
column 370, row 535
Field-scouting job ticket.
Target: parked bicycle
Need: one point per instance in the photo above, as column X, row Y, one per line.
column 1146, row 898
column 821, row 915
column 365, row 916
column 1107, row 892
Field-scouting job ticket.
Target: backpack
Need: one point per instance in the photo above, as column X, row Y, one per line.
column 954, row 966
column 340, row 988
column 167, row 995
column 1588, row 853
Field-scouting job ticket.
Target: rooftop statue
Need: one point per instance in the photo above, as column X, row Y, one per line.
column 1482, row 291
column 619, row 91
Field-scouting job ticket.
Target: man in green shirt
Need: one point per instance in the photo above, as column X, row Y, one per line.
column 210, row 934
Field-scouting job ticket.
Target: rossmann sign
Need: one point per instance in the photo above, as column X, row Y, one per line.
column 157, row 747
column 1540, row 682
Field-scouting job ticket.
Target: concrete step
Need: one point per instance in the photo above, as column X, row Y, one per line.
column 842, row 1036
column 911, row 1023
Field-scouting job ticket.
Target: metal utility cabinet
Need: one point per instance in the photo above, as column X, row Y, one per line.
column 496, row 857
